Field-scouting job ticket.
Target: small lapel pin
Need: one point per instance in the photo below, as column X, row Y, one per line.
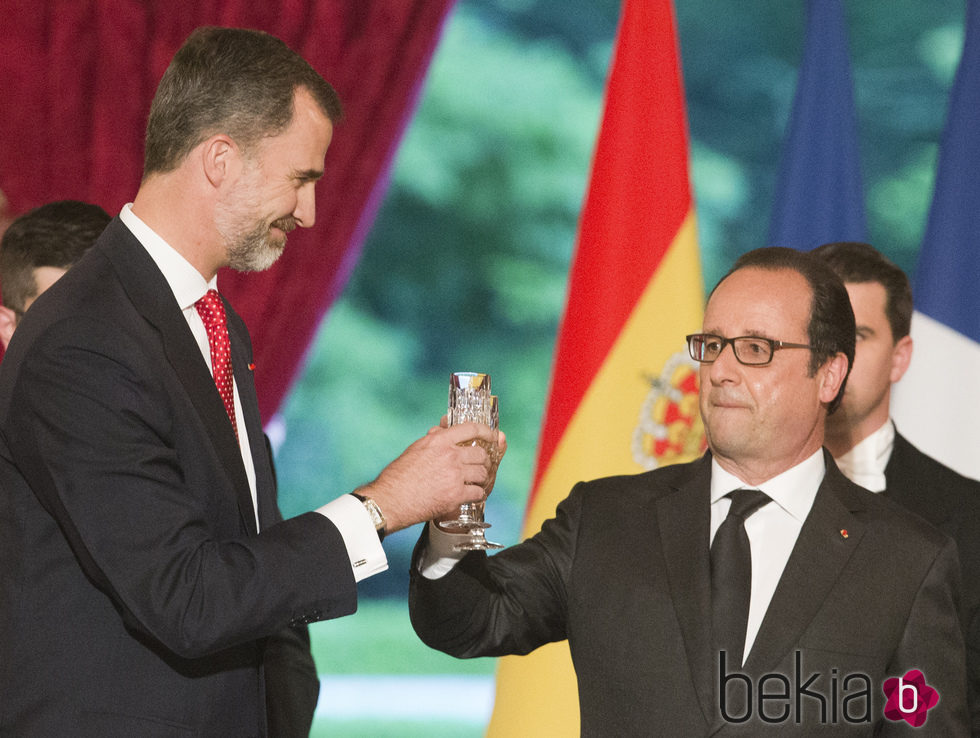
column 251, row 367
column 843, row 533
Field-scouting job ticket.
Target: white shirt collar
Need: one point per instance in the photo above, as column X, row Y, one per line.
column 865, row 463
column 794, row 490
column 187, row 284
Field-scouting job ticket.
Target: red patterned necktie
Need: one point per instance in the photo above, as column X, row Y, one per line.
column 212, row 312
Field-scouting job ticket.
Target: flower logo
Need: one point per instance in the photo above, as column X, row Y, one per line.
column 909, row 698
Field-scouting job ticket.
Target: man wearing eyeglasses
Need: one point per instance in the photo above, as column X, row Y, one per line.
column 754, row 590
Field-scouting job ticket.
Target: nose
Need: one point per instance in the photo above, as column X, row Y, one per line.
column 305, row 210
column 725, row 367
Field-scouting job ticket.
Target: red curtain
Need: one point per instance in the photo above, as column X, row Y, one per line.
column 76, row 80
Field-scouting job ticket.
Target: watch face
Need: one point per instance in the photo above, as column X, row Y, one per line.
column 375, row 512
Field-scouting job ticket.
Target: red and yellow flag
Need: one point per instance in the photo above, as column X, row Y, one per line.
column 623, row 391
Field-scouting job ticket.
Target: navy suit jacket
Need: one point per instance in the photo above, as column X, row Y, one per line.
column 622, row 573
column 136, row 596
column 951, row 502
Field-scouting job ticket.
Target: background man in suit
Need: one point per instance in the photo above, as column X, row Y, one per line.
column 145, row 564
column 842, row 583
column 38, row 248
column 870, row 451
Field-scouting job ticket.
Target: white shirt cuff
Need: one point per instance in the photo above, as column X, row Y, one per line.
column 438, row 557
column 367, row 557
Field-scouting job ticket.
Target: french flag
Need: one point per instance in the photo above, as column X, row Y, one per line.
column 937, row 403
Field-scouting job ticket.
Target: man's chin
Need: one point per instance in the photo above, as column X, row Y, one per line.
column 259, row 260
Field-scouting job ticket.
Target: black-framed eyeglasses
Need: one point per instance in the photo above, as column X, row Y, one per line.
column 749, row 350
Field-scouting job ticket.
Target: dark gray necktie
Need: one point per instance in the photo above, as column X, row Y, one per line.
column 731, row 576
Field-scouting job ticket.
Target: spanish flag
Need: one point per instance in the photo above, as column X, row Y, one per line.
column 623, row 394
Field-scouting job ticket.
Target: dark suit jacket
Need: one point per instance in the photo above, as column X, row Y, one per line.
column 135, row 595
column 951, row 502
column 622, row 572
column 292, row 685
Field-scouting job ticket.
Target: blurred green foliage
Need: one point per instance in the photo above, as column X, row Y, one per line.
column 465, row 267
column 384, row 630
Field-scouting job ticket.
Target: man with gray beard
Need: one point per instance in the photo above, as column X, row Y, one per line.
column 146, row 570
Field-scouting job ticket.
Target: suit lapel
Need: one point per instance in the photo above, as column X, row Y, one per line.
column 241, row 358
column 828, row 538
column 897, row 473
column 684, row 517
column 152, row 297
column 906, row 483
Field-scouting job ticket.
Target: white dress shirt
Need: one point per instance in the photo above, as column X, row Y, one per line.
column 772, row 530
column 347, row 513
column 865, row 463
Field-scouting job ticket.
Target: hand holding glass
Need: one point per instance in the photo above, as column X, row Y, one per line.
column 470, row 401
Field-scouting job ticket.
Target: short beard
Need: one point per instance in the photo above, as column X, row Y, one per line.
column 256, row 250
column 249, row 243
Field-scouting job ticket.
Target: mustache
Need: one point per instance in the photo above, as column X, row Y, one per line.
column 285, row 224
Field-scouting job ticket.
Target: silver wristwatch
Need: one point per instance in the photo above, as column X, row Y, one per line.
column 377, row 517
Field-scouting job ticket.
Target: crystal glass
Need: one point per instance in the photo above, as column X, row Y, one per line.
column 470, row 401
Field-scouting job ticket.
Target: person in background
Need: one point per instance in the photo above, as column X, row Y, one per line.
column 38, row 248
column 702, row 597
column 869, row 449
column 145, row 563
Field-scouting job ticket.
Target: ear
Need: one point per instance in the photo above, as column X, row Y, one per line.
column 832, row 375
column 220, row 159
column 901, row 357
column 8, row 321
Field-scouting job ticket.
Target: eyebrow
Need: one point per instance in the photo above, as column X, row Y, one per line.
column 308, row 175
column 749, row 333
